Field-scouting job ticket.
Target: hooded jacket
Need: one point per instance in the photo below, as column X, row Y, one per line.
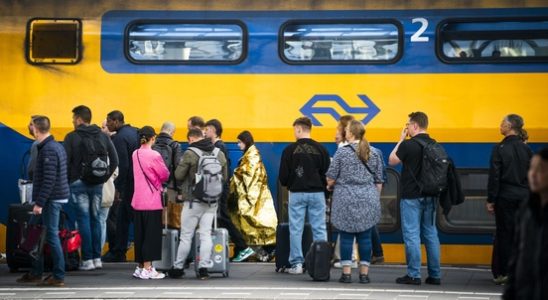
column 73, row 147
column 188, row 166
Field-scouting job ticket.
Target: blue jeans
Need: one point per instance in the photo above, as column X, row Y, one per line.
column 50, row 220
column 86, row 201
column 301, row 204
column 103, row 215
column 418, row 219
column 347, row 244
column 376, row 242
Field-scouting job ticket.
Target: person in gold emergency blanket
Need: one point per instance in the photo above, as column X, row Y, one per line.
column 250, row 202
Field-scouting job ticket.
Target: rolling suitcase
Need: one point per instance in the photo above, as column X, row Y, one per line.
column 170, row 244
column 219, row 251
column 318, row 260
column 282, row 245
column 18, row 218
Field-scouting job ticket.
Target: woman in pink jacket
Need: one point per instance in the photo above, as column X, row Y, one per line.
column 149, row 172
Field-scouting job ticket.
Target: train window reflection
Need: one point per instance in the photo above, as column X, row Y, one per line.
column 340, row 43
column 494, row 41
column 470, row 216
column 54, row 41
column 185, row 43
column 390, row 202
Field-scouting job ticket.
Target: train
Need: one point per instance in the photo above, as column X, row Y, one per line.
column 258, row 65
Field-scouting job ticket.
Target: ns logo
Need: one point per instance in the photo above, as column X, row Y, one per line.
column 310, row 110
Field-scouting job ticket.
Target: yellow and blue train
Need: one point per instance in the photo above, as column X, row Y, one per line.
column 258, row 65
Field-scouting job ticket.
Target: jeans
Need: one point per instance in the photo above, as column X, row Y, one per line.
column 418, row 219
column 202, row 214
column 103, row 214
column 364, row 246
column 50, row 219
column 301, row 204
column 376, row 241
column 86, row 200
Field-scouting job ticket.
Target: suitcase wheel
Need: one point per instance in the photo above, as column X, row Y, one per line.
column 225, row 274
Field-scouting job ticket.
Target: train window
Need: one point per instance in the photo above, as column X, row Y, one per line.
column 502, row 41
column 186, row 43
column 341, row 42
column 54, row 41
column 390, row 202
column 470, row 216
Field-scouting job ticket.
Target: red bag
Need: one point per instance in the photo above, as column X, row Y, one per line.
column 70, row 241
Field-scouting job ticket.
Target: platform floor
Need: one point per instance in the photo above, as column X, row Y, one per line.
column 254, row 281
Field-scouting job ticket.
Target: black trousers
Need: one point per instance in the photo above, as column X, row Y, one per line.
column 124, row 218
column 505, row 213
column 224, row 221
column 148, row 235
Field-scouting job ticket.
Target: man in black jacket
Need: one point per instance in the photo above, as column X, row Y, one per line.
column 88, row 142
column 126, row 140
column 527, row 272
column 302, row 171
column 507, row 186
column 50, row 191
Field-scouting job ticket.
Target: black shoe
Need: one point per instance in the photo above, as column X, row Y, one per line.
column 345, row 278
column 408, row 280
column 111, row 257
column 364, row 278
column 176, row 273
column 432, row 280
column 203, row 274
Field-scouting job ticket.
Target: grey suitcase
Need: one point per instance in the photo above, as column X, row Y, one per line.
column 219, row 251
column 170, row 244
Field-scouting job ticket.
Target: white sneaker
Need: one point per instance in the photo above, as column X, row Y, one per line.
column 97, row 263
column 151, row 274
column 296, row 269
column 137, row 272
column 87, row 265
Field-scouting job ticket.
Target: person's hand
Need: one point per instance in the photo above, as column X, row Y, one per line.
column 330, row 188
column 403, row 134
column 37, row 210
column 490, row 208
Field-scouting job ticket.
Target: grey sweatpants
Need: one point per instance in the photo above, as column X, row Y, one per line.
column 200, row 214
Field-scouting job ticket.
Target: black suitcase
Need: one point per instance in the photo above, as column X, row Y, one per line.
column 18, row 216
column 318, row 260
column 282, row 245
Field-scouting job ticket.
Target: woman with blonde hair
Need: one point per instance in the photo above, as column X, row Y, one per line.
column 356, row 178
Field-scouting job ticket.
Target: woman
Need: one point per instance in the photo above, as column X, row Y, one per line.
column 355, row 176
column 149, row 172
column 251, row 206
column 528, row 278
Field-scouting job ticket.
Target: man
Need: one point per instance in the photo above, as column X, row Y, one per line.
column 302, row 171
column 213, row 131
column 126, row 140
column 528, row 277
column 196, row 122
column 88, row 142
column 171, row 153
column 50, row 191
column 507, row 187
column 195, row 212
column 417, row 209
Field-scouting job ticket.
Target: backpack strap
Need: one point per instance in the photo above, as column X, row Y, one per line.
column 198, row 152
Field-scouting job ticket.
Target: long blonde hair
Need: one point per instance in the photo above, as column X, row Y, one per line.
column 358, row 131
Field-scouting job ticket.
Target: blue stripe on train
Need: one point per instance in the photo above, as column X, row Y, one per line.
column 263, row 27
column 466, row 155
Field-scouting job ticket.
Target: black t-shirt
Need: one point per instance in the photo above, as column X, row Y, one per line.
column 410, row 153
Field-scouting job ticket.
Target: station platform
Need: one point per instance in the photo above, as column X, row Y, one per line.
column 254, row 281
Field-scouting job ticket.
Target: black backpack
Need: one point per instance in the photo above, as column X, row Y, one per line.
column 95, row 162
column 434, row 167
column 167, row 151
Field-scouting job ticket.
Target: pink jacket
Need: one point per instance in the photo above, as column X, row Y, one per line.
column 147, row 195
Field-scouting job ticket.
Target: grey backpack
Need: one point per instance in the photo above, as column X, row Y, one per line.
column 208, row 183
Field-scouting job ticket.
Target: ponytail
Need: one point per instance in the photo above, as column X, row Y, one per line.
column 358, row 131
column 516, row 122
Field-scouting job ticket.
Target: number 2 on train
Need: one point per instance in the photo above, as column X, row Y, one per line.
column 416, row 37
